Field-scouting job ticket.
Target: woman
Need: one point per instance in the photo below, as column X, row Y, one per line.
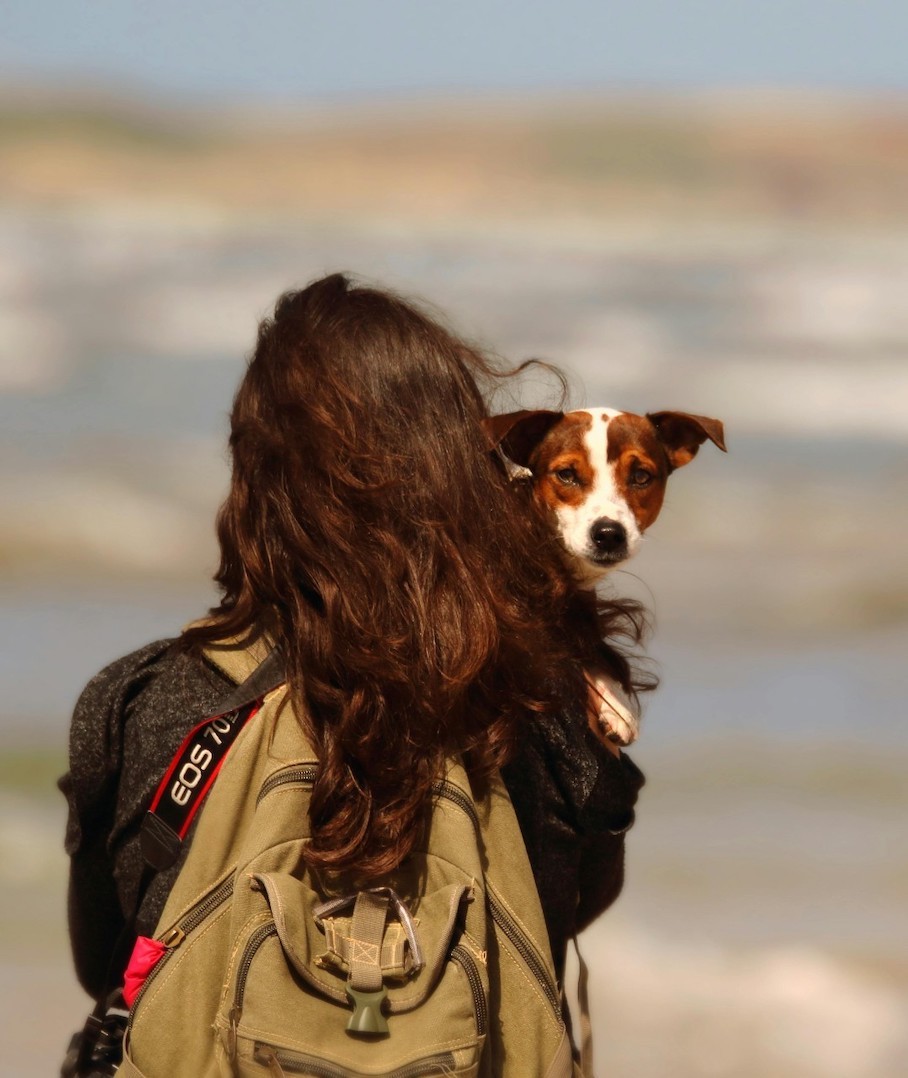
column 421, row 607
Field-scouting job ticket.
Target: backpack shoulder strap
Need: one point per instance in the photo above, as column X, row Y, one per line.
column 265, row 677
column 238, row 658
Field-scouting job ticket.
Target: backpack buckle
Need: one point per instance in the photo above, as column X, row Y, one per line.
column 367, row 1017
column 362, row 949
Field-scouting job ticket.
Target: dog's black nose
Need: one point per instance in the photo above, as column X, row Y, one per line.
column 608, row 536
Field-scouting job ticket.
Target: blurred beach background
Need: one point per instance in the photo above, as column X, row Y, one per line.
column 701, row 207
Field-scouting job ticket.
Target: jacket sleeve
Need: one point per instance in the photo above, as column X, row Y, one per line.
column 606, row 815
column 573, row 800
column 96, row 917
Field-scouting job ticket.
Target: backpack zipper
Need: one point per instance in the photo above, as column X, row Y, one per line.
column 174, row 936
column 467, row 962
column 500, row 916
column 301, row 773
column 255, row 941
column 446, row 789
column 297, row 1063
column 253, row 944
column 525, row 949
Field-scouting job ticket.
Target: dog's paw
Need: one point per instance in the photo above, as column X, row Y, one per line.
column 619, row 728
column 617, row 719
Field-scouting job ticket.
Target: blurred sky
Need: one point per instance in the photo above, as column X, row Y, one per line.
column 294, row 49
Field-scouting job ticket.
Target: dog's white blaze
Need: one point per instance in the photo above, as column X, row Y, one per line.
column 605, row 499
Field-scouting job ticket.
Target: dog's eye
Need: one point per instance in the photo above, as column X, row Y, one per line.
column 640, row 477
column 567, row 476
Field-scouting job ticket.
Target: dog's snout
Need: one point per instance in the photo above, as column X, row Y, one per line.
column 608, row 536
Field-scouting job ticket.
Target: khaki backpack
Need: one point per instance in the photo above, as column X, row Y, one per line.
column 443, row 969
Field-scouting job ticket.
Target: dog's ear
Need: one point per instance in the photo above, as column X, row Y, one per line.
column 682, row 434
column 518, row 433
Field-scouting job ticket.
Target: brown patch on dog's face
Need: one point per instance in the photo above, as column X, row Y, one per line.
column 561, row 464
column 640, row 465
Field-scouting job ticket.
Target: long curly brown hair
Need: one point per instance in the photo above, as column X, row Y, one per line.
column 421, row 604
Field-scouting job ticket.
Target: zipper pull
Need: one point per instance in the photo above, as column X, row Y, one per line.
column 274, row 1064
column 233, row 1020
column 173, row 938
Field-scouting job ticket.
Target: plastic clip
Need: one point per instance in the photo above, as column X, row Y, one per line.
column 367, row 1016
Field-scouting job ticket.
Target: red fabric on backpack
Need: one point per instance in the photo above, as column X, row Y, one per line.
column 145, row 956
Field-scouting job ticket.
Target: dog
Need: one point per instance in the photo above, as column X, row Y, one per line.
column 601, row 475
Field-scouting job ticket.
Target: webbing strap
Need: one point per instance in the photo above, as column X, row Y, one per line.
column 265, row 677
column 367, row 931
column 365, row 986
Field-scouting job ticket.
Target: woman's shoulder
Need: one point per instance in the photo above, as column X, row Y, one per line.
column 162, row 664
column 118, row 676
column 161, row 677
column 112, row 689
column 115, row 688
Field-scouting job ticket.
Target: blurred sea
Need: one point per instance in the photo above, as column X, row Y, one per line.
column 762, row 929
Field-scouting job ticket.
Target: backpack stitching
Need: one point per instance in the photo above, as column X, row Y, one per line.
column 242, row 939
column 174, row 965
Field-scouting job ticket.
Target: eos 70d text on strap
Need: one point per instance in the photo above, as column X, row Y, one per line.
column 197, row 762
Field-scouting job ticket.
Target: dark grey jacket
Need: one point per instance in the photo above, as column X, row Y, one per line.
column 573, row 800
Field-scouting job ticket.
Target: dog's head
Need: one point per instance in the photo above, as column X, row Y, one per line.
column 600, row 472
